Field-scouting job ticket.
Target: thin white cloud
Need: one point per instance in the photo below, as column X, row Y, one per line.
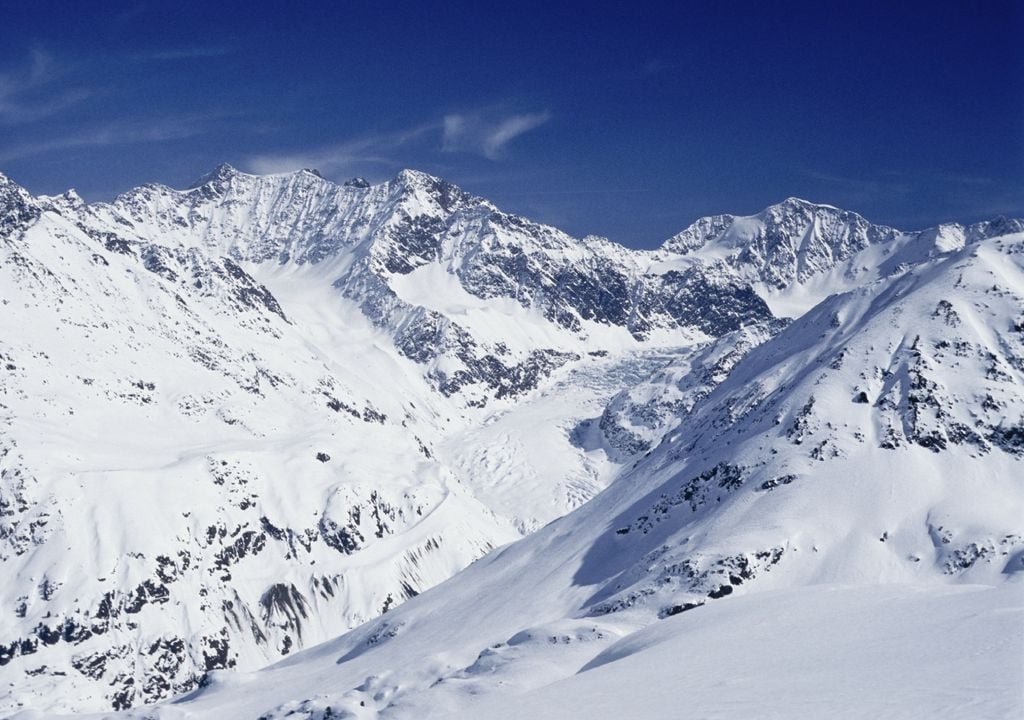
column 26, row 94
column 454, row 130
column 473, row 133
column 348, row 156
column 117, row 133
column 487, row 136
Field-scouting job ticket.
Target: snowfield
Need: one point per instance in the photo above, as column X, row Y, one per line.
column 275, row 447
column 884, row 651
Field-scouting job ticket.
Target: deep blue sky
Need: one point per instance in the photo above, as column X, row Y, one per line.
column 624, row 122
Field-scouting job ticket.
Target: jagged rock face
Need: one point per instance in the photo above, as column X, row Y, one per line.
column 598, row 282
column 17, row 210
column 227, row 414
column 789, row 242
column 373, row 234
column 794, row 241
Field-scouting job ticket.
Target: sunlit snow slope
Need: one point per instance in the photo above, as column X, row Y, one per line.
column 240, row 419
column 836, row 529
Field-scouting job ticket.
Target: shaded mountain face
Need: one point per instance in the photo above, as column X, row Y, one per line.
column 243, row 418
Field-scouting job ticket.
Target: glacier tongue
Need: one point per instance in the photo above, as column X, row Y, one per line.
column 243, row 418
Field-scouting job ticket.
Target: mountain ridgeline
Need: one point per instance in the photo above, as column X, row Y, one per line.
column 244, row 418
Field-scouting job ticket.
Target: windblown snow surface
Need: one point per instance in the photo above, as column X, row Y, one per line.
column 771, row 469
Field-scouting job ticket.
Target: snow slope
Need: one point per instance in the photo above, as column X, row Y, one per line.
column 243, row 418
column 192, row 380
column 888, row 651
column 789, row 547
column 189, row 488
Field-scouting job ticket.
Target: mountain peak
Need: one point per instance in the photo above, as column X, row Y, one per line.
column 6, row 182
column 220, row 174
column 787, row 242
column 69, row 199
column 16, row 204
column 795, row 204
column 416, row 178
column 10, row 189
column 793, row 201
column 435, row 190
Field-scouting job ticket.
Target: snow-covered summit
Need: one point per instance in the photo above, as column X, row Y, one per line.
column 16, row 206
column 788, row 242
column 219, row 176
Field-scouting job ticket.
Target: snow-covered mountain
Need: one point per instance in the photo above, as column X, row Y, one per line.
column 422, row 259
column 797, row 253
column 243, row 418
column 852, row 487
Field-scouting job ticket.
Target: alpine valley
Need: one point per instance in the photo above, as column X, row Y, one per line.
column 773, row 468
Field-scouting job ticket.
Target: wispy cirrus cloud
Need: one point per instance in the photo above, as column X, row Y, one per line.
column 28, row 93
column 374, row 148
column 487, row 136
column 454, row 133
column 126, row 132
